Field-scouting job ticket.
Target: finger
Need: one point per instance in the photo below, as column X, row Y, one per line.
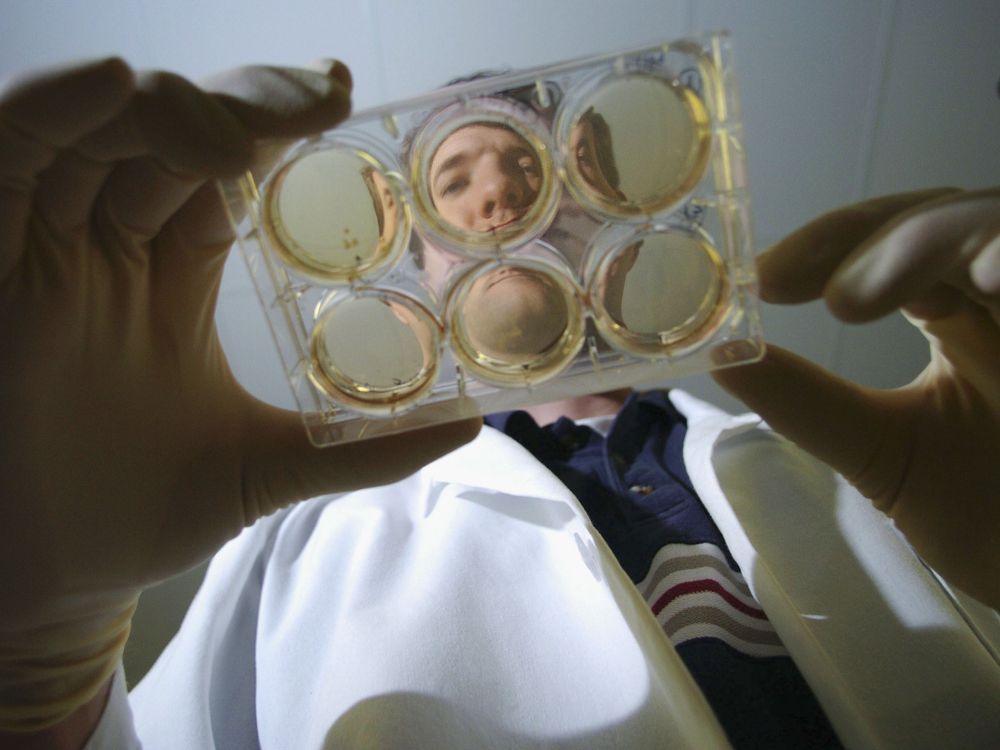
column 276, row 105
column 188, row 256
column 283, row 467
column 840, row 423
column 44, row 112
column 65, row 193
column 285, row 102
column 39, row 115
column 175, row 122
column 166, row 143
column 334, row 68
column 254, row 102
column 142, row 194
column 799, row 267
column 146, row 161
column 985, row 269
column 919, row 249
column 279, row 105
column 201, row 225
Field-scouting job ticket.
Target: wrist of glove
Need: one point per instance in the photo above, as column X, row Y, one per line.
column 53, row 663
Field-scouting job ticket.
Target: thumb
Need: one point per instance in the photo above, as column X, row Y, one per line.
column 274, row 102
column 282, row 467
column 847, row 426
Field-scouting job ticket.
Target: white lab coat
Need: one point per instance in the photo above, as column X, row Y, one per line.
column 473, row 605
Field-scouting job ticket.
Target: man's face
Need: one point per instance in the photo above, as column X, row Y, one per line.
column 514, row 315
column 384, row 204
column 484, row 177
column 591, row 153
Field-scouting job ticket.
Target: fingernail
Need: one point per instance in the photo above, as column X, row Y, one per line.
column 333, row 68
column 736, row 352
column 985, row 269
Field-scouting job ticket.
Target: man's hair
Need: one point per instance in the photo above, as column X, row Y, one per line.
column 602, row 146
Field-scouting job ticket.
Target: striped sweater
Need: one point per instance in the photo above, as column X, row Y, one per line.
column 635, row 489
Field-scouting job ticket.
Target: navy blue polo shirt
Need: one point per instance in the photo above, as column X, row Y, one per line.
column 637, row 493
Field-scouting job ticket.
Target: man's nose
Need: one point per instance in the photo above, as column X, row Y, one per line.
column 500, row 191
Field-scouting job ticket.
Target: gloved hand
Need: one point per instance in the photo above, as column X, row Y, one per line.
column 129, row 452
column 927, row 454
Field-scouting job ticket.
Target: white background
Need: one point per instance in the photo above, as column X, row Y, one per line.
column 841, row 100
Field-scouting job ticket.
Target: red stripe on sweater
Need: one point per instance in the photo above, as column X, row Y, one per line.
column 704, row 584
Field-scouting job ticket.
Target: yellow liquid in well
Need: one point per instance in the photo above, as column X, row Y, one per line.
column 375, row 353
column 484, row 182
column 333, row 215
column 638, row 146
column 662, row 293
column 516, row 325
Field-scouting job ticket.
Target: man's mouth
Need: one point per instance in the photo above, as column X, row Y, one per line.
column 505, row 224
column 506, row 274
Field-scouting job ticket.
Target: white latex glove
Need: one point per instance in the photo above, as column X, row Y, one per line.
column 927, row 454
column 128, row 452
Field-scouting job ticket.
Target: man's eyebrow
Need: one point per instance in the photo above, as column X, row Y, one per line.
column 453, row 161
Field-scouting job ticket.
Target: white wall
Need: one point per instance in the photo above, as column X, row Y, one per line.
column 841, row 100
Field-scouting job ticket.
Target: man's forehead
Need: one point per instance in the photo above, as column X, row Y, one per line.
column 469, row 139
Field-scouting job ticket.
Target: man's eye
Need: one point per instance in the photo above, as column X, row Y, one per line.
column 527, row 164
column 454, row 187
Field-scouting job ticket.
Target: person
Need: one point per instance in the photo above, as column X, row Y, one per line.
column 484, row 177
column 593, row 155
column 130, row 452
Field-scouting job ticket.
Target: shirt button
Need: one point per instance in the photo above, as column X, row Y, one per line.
column 641, row 489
